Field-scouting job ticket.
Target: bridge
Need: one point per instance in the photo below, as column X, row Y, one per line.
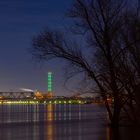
column 17, row 95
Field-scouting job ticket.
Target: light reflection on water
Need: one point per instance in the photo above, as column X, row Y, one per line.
column 49, row 119
column 59, row 122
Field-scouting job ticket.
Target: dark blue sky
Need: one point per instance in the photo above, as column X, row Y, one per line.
column 20, row 20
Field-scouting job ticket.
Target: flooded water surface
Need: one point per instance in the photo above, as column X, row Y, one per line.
column 60, row 122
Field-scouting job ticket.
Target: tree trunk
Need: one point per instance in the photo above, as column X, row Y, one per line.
column 116, row 115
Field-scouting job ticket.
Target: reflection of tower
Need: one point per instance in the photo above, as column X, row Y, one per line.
column 50, row 123
column 49, row 94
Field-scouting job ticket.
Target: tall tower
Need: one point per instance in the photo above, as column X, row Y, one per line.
column 49, row 94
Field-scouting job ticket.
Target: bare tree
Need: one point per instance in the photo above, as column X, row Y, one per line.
column 98, row 23
column 131, row 40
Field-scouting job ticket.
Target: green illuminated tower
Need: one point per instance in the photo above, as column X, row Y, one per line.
column 49, row 94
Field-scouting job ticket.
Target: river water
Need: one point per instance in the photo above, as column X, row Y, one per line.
column 60, row 122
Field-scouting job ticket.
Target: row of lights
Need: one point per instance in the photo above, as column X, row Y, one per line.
column 60, row 102
column 36, row 102
column 19, row 102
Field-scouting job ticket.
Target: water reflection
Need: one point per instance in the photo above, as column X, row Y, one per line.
column 59, row 122
column 107, row 133
column 49, row 112
column 49, row 122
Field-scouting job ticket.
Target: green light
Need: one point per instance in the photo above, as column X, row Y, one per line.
column 49, row 81
column 49, row 84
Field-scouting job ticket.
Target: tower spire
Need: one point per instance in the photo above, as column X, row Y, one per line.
column 49, row 94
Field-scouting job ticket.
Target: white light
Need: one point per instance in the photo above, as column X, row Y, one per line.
column 70, row 102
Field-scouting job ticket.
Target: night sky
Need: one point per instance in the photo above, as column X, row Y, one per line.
column 20, row 20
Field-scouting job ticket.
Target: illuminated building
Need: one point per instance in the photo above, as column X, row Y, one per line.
column 49, row 93
column 38, row 95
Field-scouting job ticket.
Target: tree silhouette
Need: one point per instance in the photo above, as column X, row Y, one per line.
column 105, row 54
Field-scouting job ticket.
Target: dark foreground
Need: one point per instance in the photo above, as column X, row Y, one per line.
column 60, row 122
